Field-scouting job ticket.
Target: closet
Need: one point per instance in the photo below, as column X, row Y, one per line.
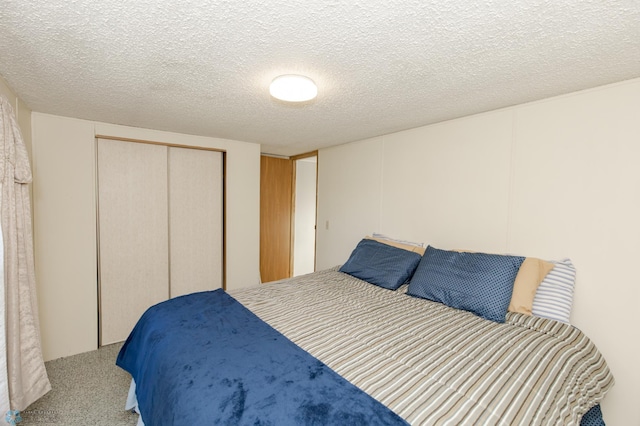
column 160, row 228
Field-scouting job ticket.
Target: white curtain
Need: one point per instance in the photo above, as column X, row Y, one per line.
column 4, row 379
column 26, row 375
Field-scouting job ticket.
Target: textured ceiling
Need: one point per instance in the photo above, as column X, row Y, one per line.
column 203, row 67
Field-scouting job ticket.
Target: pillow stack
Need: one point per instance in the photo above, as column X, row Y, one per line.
column 487, row 285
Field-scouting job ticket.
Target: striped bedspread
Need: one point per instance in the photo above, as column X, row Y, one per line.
column 432, row 364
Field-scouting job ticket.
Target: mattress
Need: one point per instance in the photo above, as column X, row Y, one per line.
column 432, row 364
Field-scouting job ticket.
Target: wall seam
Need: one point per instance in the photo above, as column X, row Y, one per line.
column 382, row 148
column 511, row 185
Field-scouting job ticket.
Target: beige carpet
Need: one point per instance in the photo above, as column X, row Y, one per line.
column 87, row 389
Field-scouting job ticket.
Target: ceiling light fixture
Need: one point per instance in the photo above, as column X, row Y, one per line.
column 293, row 88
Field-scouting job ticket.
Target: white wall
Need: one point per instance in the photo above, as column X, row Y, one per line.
column 65, row 222
column 349, row 199
column 555, row 178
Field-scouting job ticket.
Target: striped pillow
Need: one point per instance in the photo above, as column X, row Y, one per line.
column 554, row 297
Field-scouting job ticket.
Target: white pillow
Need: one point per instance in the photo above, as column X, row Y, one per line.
column 384, row 237
column 554, row 296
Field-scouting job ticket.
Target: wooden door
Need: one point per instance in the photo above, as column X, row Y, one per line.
column 276, row 179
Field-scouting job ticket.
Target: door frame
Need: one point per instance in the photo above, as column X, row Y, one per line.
column 293, row 207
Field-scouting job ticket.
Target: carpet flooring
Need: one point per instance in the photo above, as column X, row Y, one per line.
column 86, row 389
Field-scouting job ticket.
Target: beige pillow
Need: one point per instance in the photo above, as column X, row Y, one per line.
column 409, row 247
column 531, row 273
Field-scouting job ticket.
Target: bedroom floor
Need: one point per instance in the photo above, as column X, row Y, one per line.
column 87, row 389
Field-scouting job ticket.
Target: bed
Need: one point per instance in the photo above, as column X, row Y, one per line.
column 391, row 356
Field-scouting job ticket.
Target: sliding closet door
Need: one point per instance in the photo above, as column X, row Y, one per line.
column 133, row 222
column 195, row 220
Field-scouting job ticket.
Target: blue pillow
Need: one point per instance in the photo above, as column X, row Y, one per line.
column 593, row 417
column 380, row 264
column 477, row 282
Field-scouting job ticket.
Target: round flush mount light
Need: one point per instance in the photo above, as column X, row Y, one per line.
column 293, row 88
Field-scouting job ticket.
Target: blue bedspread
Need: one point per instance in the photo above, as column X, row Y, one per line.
column 204, row 359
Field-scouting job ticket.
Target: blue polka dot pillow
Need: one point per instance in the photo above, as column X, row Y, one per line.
column 476, row 282
column 381, row 264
